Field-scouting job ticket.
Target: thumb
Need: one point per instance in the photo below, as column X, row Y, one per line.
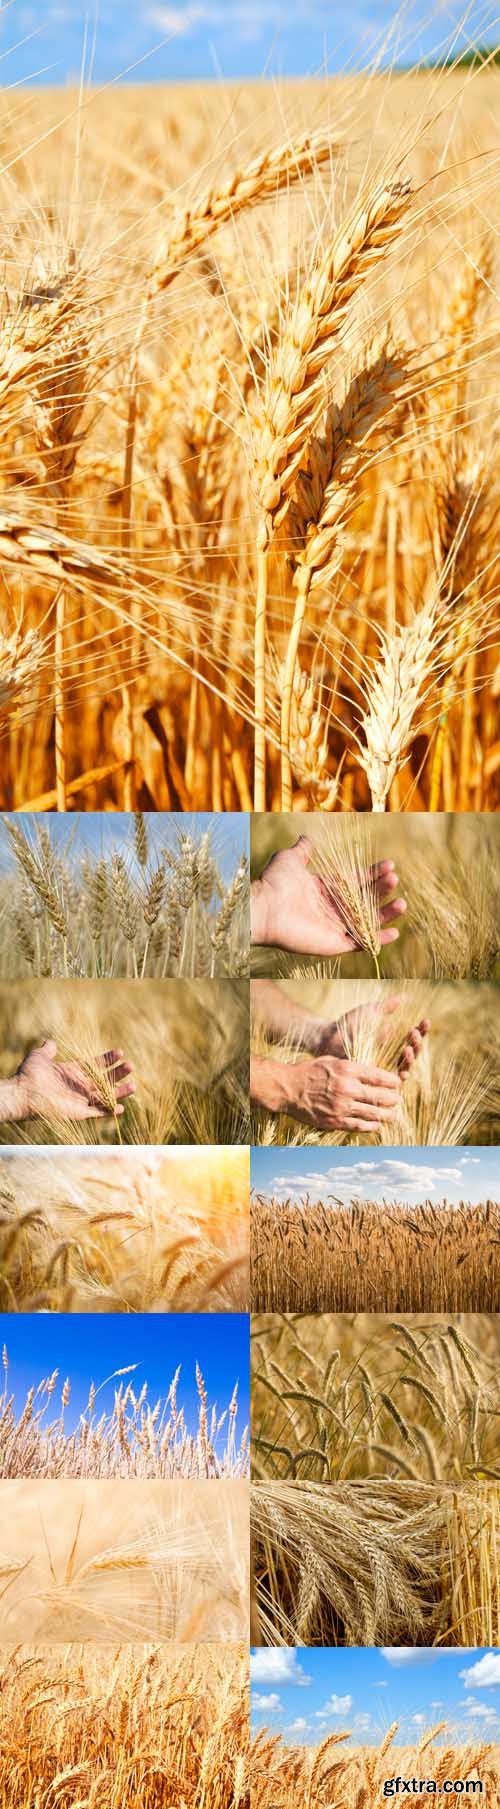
column 304, row 848
column 49, row 1048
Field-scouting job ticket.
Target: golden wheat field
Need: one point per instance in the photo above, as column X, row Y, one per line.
column 339, row 1396
column 186, row 1041
column 117, row 1728
column 114, row 1560
column 249, row 465
column 386, row 1256
column 364, row 1564
column 124, row 898
column 281, row 1773
column 310, row 1038
column 446, row 871
column 124, row 1231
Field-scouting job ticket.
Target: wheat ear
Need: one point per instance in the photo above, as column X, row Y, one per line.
column 294, row 392
column 321, row 501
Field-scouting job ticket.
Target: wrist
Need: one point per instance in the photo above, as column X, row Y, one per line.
column 271, row 1084
column 259, row 913
column 13, row 1103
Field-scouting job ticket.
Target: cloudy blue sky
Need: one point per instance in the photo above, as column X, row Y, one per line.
column 410, row 1174
column 180, row 39
column 87, row 1348
column 306, row 1695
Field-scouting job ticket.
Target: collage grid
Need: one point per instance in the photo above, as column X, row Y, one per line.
column 249, row 906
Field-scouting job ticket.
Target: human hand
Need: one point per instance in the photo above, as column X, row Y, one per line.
column 49, row 1089
column 328, row 1094
column 294, row 909
column 330, row 1039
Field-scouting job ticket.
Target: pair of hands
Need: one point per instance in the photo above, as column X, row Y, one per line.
column 49, row 1089
column 332, row 1093
column 294, row 909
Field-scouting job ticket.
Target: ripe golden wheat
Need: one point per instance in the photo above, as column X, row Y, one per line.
column 350, row 1396
column 156, row 905
column 358, row 1564
column 320, row 1256
column 139, row 1438
column 124, row 1231
column 115, row 1728
column 248, row 524
column 352, row 1776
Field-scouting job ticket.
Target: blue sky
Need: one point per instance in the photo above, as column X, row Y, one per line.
column 305, row 1695
column 412, row 1174
column 88, row 1347
column 100, row 833
column 180, row 39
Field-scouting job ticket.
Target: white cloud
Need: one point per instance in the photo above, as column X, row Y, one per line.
column 178, row 20
column 390, row 1174
column 336, row 1705
column 408, row 1655
column 480, row 1711
column 298, row 1726
column 485, row 1674
column 418, row 1720
column 381, row 1684
column 363, row 1724
column 271, row 1702
column 277, row 1664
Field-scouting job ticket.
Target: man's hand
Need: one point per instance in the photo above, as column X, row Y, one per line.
column 294, row 909
column 330, row 1041
column 49, row 1089
column 329, row 1094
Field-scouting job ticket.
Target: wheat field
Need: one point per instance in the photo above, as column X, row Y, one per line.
column 249, row 475
column 340, row 1396
column 451, row 1093
column 367, row 1564
column 374, row 1257
column 115, row 1728
column 281, row 1773
column 187, row 1041
column 152, row 903
column 124, row 1231
column 135, row 1560
column 140, row 1437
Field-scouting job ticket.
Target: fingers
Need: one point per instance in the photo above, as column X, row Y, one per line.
column 396, row 909
column 49, row 1048
column 382, row 1078
column 119, row 1071
column 413, row 1046
column 125, row 1089
column 363, row 1119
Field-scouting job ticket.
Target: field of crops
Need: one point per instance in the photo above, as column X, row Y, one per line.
column 139, row 1722
column 124, row 1231
column 249, row 466
column 374, row 1256
column 280, row 1772
column 338, row 1396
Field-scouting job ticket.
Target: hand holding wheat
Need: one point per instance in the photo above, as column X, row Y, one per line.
column 294, row 908
column 45, row 1088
